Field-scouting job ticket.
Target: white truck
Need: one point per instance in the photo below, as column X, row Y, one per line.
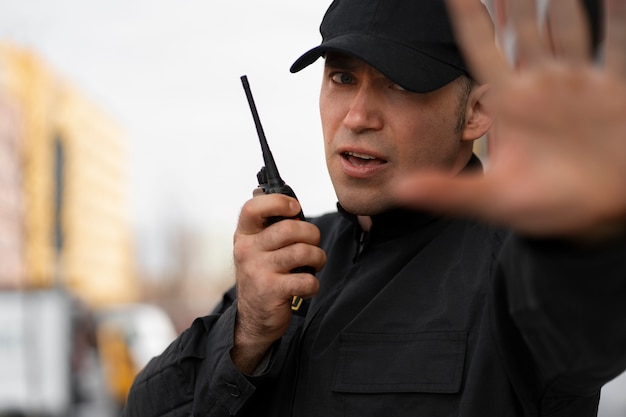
column 35, row 349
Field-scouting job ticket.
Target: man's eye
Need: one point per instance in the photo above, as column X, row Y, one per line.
column 342, row 78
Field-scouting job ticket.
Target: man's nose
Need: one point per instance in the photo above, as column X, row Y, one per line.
column 364, row 112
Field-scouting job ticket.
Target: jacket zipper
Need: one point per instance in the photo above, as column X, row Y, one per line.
column 361, row 243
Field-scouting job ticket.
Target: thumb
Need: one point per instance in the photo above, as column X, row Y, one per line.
column 468, row 195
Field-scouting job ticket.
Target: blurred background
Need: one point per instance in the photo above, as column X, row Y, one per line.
column 126, row 151
column 127, row 148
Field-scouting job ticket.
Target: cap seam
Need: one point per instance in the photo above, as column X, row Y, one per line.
column 373, row 16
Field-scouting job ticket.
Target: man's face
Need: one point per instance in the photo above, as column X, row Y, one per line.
column 374, row 131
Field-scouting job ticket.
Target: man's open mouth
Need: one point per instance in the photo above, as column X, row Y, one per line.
column 361, row 159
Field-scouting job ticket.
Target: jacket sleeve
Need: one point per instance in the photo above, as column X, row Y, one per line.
column 195, row 374
column 568, row 305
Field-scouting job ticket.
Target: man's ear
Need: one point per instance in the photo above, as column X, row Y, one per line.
column 478, row 115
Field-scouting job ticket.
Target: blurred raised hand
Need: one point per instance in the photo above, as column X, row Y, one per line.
column 558, row 161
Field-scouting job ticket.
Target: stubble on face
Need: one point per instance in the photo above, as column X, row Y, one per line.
column 402, row 130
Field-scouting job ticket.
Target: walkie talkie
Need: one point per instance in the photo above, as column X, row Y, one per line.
column 270, row 181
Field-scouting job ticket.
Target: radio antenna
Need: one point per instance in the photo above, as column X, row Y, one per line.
column 271, row 171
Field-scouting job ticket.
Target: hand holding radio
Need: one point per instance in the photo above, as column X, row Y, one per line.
column 276, row 255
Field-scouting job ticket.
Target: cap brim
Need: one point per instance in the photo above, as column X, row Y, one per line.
column 412, row 69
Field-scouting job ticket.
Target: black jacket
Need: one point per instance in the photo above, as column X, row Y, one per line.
column 423, row 316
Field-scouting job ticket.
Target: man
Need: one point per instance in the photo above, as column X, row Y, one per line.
column 413, row 311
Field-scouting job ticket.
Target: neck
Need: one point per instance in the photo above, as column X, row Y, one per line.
column 365, row 222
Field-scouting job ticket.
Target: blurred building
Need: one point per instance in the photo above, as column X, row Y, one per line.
column 12, row 236
column 63, row 186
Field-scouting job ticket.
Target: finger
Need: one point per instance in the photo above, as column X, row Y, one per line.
column 255, row 211
column 616, row 37
column 305, row 285
column 466, row 196
column 475, row 35
column 504, row 33
column 292, row 258
column 523, row 17
column 569, row 31
column 288, row 232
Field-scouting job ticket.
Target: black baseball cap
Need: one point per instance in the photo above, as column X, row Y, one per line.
column 411, row 42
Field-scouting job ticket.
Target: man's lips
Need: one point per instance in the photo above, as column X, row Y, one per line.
column 360, row 164
column 362, row 159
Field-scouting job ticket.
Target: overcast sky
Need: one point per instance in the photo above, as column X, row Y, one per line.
column 168, row 72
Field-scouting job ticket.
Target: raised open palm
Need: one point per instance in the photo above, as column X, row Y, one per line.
column 558, row 160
